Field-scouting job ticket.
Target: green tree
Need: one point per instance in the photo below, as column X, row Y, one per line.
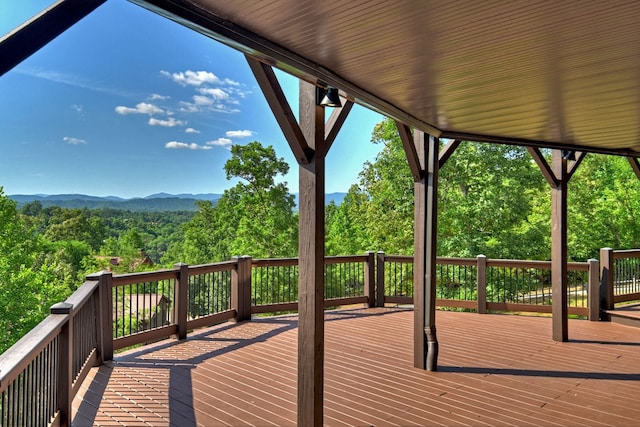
column 255, row 217
column 258, row 211
column 75, row 224
column 486, row 195
column 29, row 284
column 604, row 206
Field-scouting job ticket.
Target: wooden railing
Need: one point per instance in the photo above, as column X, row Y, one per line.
column 620, row 274
column 40, row 375
column 482, row 284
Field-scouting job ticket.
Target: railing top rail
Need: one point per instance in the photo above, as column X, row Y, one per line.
column 83, row 294
column 213, row 268
column 626, row 253
column 290, row 262
column 345, row 258
column 398, row 258
column 274, row 262
column 456, row 261
column 147, row 276
column 17, row 358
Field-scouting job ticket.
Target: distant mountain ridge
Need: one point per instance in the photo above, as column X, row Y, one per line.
column 158, row 202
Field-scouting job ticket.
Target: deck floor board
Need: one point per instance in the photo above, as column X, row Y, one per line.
column 494, row 370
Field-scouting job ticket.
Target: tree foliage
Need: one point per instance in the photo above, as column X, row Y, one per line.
column 255, row 217
column 29, row 280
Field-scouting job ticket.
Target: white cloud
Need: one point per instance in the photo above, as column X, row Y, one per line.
column 141, row 108
column 192, row 78
column 73, row 141
column 187, row 107
column 77, row 108
column 157, row 97
column 169, row 123
column 231, row 82
column 220, row 142
column 239, row 133
column 215, row 93
column 184, row 145
column 191, row 130
column 75, row 80
column 202, row 100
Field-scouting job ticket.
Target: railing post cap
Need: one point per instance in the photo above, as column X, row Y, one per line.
column 61, row 308
column 97, row 274
column 481, row 256
column 179, row 264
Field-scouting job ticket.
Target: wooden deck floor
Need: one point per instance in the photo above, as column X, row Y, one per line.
column 494, row 370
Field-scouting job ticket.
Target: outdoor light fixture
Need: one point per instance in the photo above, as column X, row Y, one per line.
column 568, row 154
column 328, row 97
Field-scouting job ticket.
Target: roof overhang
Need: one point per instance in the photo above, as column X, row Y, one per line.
column 533, row 73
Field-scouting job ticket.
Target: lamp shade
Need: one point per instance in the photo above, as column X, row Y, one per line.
column 329, row 97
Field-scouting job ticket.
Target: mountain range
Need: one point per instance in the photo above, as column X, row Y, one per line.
column 159, row 202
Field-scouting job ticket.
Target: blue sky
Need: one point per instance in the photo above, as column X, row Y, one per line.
column 127, row 103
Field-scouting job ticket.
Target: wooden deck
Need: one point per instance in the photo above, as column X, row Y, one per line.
column 494, row 370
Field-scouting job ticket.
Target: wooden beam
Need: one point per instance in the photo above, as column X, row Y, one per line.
column 417, row 171
column 335, row 122
column 447, row 151
column 311, row 264
column 635, row 166
column 559, row 248
column 279, row 105
column 546, row 170
column 34, row 34
column 573, row 166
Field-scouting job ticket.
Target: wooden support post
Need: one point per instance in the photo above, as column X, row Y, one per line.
column 311, row 264
column 180, row 307
column 370, row 279
column 309, row 143
column 606, row 282
column 594, row 290
column 241, row 288
column 380, row 279
column 482, row 283
column 559, row 278
column 65, row 363
column 425, row 349
column 104, row 316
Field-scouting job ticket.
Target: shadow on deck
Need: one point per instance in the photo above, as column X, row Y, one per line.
column 493, row 370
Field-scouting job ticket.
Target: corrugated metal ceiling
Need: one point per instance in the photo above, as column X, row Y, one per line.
column 559, row 72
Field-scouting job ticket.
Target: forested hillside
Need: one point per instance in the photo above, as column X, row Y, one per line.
column 493, row 200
